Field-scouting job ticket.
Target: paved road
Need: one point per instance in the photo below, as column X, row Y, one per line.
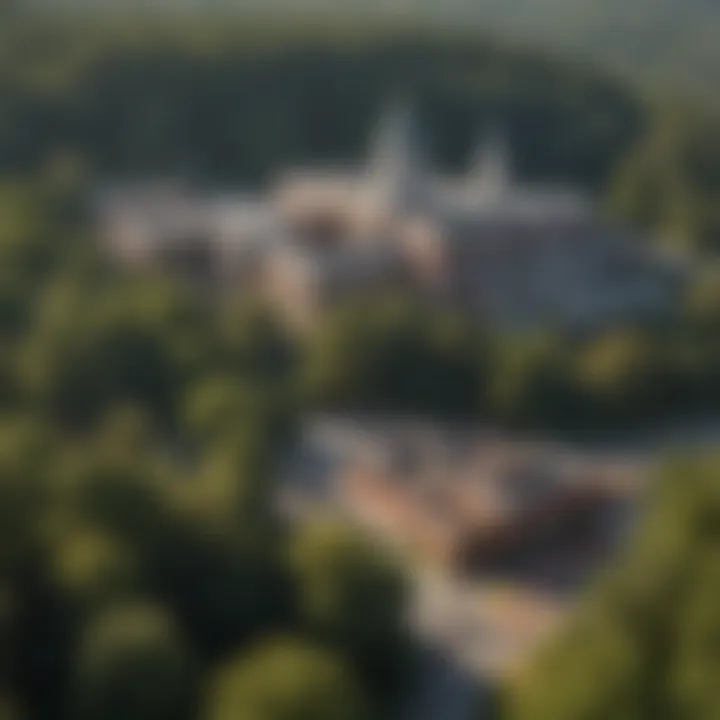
column 445, row 619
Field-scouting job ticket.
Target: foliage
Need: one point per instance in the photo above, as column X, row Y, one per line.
column 393, row 354
column 285, row 680
column 114, row 97
column 670, row 181
column 132, row 664
column 220, row 100
column 645, row 644
column 665, row 43
column 143, row 565
column 390, row 355
column 140, row 548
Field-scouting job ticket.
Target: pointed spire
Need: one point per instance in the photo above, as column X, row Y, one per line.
column 397, row 158
column 491, row 168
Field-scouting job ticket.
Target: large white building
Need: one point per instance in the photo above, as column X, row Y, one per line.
column 510, row 252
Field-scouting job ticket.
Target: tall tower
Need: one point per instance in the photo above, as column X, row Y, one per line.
column 397, row 163
column 491, row 170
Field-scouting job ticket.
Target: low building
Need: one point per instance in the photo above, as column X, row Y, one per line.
column 302, row 284
column 218, row 241
column 472, row 500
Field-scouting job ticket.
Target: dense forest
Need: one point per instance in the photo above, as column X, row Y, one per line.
column 144, row 572
column 671, row 45
column 237, row 102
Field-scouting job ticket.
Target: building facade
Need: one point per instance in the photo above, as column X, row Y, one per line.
column 509, row 252
column 469, row 499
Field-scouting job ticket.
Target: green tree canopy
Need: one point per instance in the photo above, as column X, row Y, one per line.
column 645, row 643
column 132, row 663
column 285, row 680
column 392, row 353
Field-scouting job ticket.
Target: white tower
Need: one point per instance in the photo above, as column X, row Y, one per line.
column 491, row 170
column 397, row 164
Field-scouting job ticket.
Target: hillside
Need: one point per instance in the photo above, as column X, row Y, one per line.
column 236, row 101
column 226, row 102
column 672, row 43
column 668, row 42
